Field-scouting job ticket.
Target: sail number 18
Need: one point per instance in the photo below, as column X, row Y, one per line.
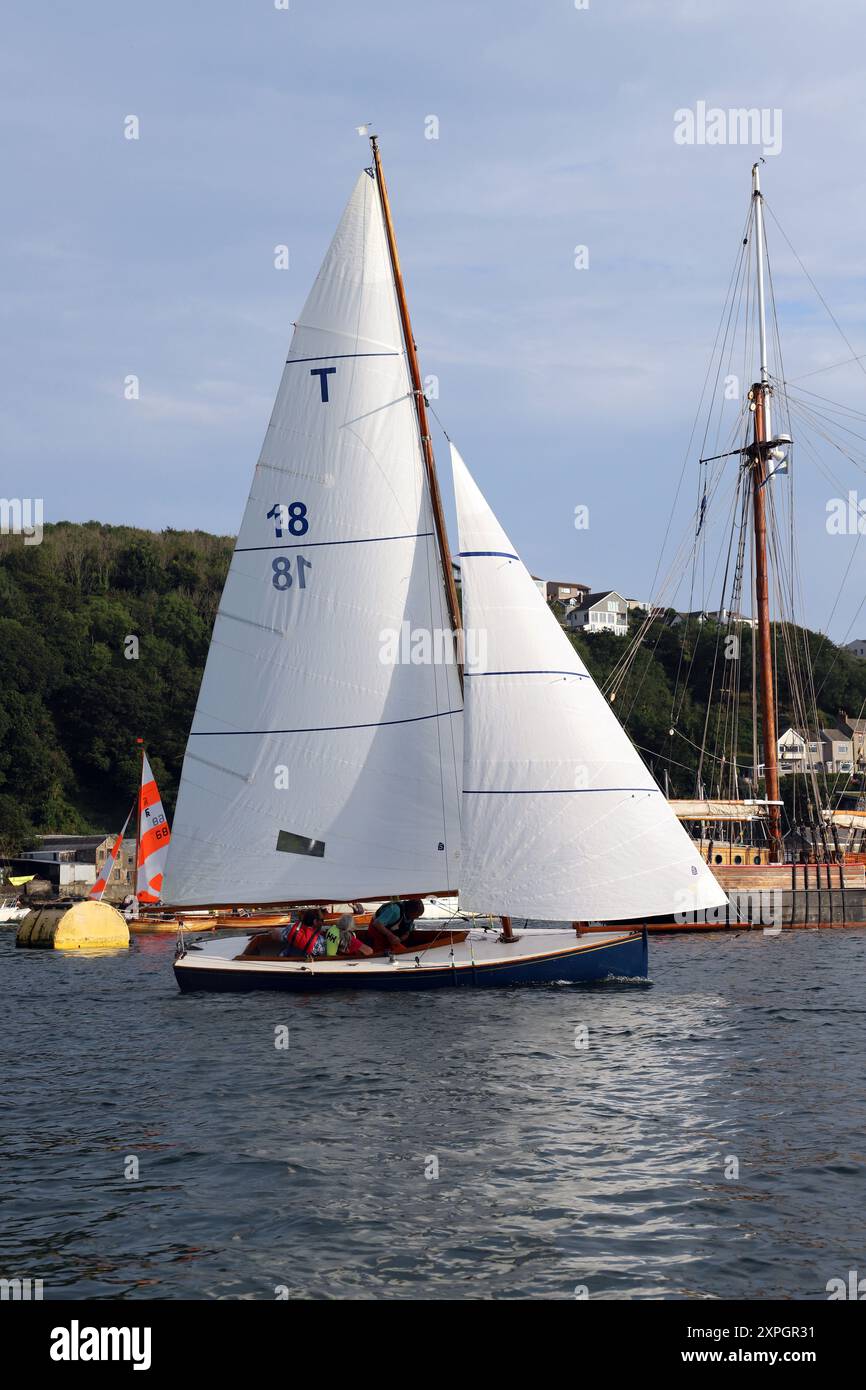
column 282, row 567
column 291, row 517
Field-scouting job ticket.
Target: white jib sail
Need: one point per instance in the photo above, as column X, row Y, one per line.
column 562, row 821
column 325, row 753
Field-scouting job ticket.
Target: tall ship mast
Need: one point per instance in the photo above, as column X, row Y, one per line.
column 772, row 841
column 760, row 398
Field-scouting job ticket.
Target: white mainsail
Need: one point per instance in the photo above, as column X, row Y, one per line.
column 322, row 764
column 562, row 821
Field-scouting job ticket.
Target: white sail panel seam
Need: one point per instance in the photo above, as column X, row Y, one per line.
column 577, row 674
column 558, row 791
column 339, row 357
column 319, row 729
column 353, row 540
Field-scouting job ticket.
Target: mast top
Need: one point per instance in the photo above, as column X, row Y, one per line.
column 756, row 177
column 760, row 256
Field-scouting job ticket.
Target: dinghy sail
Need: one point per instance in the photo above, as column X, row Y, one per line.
column 320, row 765
column 101, row 883
column 553, row 788
column 152, row 839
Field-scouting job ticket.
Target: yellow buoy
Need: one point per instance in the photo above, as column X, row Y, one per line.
column 83, row 926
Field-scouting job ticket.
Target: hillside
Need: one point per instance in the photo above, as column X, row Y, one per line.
column 72, row 704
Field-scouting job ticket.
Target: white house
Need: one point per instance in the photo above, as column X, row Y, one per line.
column 832, row 752
column 606, row 611
column 799, row 754
column 857, row 647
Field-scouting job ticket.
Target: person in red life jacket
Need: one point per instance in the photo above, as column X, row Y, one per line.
column 392, row 925
column 304, row 937
column 301, row 938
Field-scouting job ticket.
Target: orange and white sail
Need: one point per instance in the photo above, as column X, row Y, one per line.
column 153, row 838
column 101, row 883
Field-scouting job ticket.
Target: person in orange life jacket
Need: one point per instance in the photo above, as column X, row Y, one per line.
column 392, row 924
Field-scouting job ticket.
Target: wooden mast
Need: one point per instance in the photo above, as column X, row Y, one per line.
column 760, row 400
column 420, row 404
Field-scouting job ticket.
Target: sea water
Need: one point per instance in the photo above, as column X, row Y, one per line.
column 702, row 1137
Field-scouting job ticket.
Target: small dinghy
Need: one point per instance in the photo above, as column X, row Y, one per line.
column 336, row 755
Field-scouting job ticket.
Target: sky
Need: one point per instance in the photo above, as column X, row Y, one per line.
column 563, row 387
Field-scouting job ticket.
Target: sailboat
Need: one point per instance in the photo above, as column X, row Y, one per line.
column 152, row 838
column 99, row 887
column 321, row 769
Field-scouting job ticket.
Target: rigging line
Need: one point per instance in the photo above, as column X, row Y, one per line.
column 824, row 637
column 804, row 414
column 730, row 529
column 734, row 299
column 688, row 546
column 842, row 334
column 687, row 454
column 840, row 406
column 820, row 431
column 828, row 416
column 813, row 419
column 436, row 418
column 845, row 362
column 719, row 634
column 667, row 590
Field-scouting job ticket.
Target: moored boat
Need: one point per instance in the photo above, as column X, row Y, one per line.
column 12, row 911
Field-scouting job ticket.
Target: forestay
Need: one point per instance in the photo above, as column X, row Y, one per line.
column 321, row 764
column 562, row 821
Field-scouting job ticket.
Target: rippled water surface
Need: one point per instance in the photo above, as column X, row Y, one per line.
column 312, row 1168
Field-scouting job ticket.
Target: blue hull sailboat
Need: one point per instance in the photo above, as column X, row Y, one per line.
column 331, row 762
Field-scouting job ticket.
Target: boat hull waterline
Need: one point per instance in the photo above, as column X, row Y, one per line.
column 481, row 961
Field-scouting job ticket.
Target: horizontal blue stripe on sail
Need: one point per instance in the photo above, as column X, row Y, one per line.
column 318, row 729
column 577, row 674
column 505, row 554
column 339, row 356
column 356, row 540
column 558, row 791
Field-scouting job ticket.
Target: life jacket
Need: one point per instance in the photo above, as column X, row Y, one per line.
column 299, row 941
column 331, row 934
